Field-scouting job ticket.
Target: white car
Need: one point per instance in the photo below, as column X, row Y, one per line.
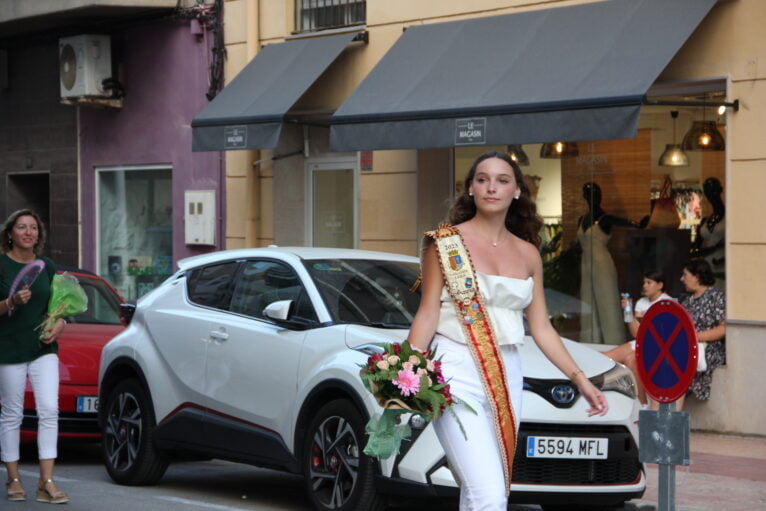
column 253, row 356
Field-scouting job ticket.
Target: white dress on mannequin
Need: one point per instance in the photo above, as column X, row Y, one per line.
column 598, row 289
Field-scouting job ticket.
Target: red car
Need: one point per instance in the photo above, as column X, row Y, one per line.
column 79, row 356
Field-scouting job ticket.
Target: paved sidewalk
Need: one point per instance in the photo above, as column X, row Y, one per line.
column 727, row 473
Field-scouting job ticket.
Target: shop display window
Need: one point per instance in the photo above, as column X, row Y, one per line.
column 135, row 234
column 612, row 210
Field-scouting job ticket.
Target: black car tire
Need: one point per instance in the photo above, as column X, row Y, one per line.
column 127, row 448
column 339, row 475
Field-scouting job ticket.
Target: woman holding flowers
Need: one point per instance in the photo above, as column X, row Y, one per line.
column 26, row 352
column 480, row 275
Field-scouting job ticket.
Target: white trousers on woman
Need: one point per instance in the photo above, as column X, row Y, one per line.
column 475, row 461
column 43, row 373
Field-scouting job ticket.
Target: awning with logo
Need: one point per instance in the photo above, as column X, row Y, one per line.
column 568, row 73
column 249, row 111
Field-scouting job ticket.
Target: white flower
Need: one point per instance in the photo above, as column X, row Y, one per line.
column 393, row 360
column 382, row 365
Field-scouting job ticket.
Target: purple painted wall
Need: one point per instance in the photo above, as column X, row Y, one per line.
column 165, row 76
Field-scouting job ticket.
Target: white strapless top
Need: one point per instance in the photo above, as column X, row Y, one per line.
column 505, row 298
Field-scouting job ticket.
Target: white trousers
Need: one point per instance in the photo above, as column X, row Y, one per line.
column 43, row 373
column 476, row 461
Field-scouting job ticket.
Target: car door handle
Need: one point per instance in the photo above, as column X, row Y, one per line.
column 219, row 335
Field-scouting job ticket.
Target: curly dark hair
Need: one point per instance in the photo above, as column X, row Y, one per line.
column 701, row 269
column 11, row 221
column 522, row 218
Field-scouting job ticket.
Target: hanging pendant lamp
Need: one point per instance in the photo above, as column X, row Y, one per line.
column 559, row 150
column 674, row 156
column 703, row 136
column 517, row 154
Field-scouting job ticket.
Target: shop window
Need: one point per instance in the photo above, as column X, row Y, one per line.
column 135, row 233
column 314, row 15
column 612, row 212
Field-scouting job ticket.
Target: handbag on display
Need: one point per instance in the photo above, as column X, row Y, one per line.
column 664, row 211
column 701, row 360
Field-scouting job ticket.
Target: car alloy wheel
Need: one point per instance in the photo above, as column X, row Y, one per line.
column 126, row 446
column 338, row 474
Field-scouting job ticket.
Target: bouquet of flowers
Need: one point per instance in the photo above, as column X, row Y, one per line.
column 404, row 380
column 67, row 299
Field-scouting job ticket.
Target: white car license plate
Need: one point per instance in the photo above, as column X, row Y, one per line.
column 87, row 404
column 567, row 447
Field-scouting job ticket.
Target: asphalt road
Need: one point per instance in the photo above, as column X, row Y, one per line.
column 188, row 486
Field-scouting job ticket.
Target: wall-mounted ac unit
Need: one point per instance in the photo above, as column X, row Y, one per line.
column 84, row 62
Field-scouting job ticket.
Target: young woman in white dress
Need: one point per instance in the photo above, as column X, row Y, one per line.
column 500, row 228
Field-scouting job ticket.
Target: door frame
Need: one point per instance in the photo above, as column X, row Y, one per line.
column 324, row 163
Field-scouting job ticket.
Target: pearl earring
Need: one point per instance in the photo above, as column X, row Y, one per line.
column 470, row 194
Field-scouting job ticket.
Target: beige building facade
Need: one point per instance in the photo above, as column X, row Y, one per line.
column 383, row 199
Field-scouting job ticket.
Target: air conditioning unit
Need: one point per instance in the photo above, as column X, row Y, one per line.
column 84, row 62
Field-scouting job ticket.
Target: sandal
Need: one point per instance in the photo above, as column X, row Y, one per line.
column 15, row 495
column 43, row 495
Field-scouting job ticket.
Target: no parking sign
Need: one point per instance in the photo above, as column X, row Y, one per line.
column 666, row 351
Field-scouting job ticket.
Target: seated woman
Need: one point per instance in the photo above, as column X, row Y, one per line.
column 653, row 290
column 707, row 307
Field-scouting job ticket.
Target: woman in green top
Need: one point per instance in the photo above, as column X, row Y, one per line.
column 26, row 352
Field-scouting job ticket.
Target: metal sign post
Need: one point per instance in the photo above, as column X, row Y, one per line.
column 666, row 355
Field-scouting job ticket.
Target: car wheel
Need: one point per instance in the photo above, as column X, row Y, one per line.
column 126, row 445
column 339, row 475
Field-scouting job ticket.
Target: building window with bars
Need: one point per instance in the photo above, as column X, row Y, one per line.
column 315, row 15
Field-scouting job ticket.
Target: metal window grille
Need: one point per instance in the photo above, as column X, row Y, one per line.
column 315, row 15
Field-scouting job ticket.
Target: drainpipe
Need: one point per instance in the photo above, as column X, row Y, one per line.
column 253, row 225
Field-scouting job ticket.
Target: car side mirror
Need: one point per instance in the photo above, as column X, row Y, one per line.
column 279, row 311
column 126, row 313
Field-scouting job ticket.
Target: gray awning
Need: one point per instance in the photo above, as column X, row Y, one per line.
column 567, row 73
column 249, row 111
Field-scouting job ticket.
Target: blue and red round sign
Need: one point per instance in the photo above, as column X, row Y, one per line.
column 666, row 351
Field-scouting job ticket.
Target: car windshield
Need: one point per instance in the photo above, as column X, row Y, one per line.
column 103, row 304
column 375, row 293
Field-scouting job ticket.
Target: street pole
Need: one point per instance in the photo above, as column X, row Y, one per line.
column 667, row 475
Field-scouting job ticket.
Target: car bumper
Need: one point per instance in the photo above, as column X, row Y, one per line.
column 618, row 478
column 72, row 425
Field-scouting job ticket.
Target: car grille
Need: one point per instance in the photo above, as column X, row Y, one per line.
column 622, row 466
column 69, row 422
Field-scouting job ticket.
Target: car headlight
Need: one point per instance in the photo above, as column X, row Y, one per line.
column 619, row 379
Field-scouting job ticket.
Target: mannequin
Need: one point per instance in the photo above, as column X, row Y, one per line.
column 710, row 242
column 598, row 283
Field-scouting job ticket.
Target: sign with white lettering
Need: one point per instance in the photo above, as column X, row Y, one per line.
column 471, row 131
column 235, row 137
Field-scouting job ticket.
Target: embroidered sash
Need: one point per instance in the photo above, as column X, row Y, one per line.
column 463, row 287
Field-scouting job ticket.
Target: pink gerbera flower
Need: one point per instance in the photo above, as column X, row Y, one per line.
column 408, row 382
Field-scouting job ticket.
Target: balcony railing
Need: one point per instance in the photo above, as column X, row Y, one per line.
column 313, row 15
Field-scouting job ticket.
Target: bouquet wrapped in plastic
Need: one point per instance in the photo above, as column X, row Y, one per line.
column 403, row 380
column 68, row 298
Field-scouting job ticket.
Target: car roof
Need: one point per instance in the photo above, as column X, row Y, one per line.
column 304, row 253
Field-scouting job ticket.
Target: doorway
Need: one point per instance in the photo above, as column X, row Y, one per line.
column 29, row 190
column 332, row 204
